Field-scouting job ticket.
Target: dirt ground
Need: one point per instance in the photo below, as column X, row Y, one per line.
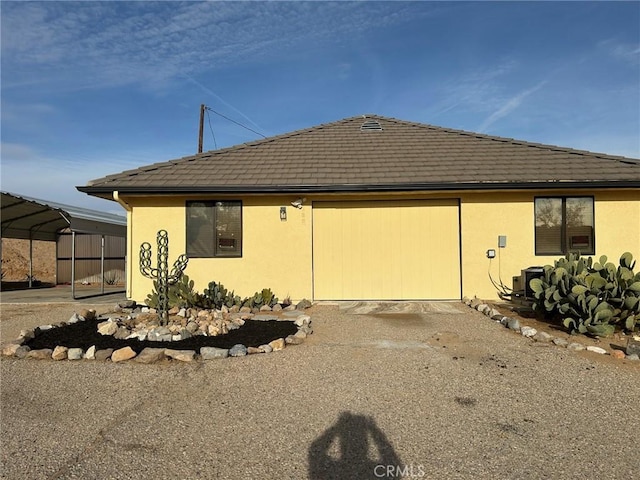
column 15, row 260
column 444, row 392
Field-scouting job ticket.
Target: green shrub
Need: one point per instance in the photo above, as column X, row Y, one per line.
column 181, row 294
column 590, row 297
column 259, row 299
column 218, row 296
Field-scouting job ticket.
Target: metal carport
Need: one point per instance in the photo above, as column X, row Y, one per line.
column 33, row 219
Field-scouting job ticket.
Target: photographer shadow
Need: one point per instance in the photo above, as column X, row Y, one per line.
column 344, row 451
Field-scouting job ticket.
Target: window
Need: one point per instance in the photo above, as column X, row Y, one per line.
column 563, row 225
column 214, row 229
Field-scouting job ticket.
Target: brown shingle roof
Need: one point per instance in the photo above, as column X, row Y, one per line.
column 340, row 156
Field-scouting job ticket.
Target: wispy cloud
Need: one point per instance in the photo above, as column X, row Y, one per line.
column 509, row 106
column 474, row 90
column 118, row 43
column 626, row 52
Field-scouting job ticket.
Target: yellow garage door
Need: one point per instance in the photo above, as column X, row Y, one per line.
column 386, row 250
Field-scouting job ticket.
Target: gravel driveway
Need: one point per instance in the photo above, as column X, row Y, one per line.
column 437, row 394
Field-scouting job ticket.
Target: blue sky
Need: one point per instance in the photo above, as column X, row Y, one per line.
column 93, row 88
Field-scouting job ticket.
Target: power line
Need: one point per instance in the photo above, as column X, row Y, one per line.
column 215, row 145
column 233, row 121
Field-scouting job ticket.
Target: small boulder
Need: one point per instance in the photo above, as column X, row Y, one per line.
column 22, row 351
column 293, row 340
column 277, row 344
column 75, row 318
column 107, row 328
column 303, row 304
column 41, row 354
column 122, row 354
column 302, row 320
column 514, row 324
column 59, row 353
column 561, row 342
column 211, row 353
column 265, row 348
column 528, row 331
column 9, row 350
column 181, row 355
column 543, row 337
column 238, row 350
column 88, row 314
column 150, row 355
column 594, row 349
column 102, row 355
column 90, row 354
column 575, row 346
column 75, row 354
column 633, row 346
column 253, row 350
column 127, row 304
column 618, row 354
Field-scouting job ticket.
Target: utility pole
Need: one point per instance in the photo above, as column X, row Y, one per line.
column 202, row 107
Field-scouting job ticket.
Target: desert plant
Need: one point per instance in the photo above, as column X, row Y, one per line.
column 590, row 297
column 111, row 277
column 259, row 299
column 218, row 296
column 163, row 278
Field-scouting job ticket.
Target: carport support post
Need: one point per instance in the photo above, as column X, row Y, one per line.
column 73, row 264
column 102, row 262
column 30, row 260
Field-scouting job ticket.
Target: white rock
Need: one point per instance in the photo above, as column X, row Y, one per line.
column 74, row 354
column 302, row 320
column 90, row 354
column 594, row 349
column 75, row 318
column 26, row 335
column 107, row 328
column 182, row 313
column 528, row 331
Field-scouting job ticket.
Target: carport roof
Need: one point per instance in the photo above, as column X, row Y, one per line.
column 25, row 217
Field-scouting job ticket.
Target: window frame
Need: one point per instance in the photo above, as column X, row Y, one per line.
column 217, row 252
column 565, row 248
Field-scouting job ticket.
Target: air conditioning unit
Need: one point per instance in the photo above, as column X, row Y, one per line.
column 527, row 275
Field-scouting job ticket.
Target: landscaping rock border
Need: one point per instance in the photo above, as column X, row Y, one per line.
column 122, row 324
column 631, row 353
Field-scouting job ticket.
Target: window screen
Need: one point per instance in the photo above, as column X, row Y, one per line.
column 214, row 229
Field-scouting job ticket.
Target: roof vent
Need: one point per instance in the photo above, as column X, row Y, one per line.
column 371, row 125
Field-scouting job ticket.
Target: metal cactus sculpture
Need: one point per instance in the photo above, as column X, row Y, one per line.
column 161, row 273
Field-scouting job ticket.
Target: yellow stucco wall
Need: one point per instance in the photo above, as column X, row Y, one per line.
column 485, row 216
column 278, row 255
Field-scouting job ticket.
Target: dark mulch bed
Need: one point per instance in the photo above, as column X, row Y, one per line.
column 85, row 334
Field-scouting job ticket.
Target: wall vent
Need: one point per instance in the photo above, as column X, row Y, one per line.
column 371, row 125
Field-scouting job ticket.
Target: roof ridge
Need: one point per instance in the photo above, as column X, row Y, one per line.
column 451, row 134
column 514, row 141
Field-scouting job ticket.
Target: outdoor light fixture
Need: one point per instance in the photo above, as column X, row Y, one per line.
column 298, row 203
column 283, row 213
